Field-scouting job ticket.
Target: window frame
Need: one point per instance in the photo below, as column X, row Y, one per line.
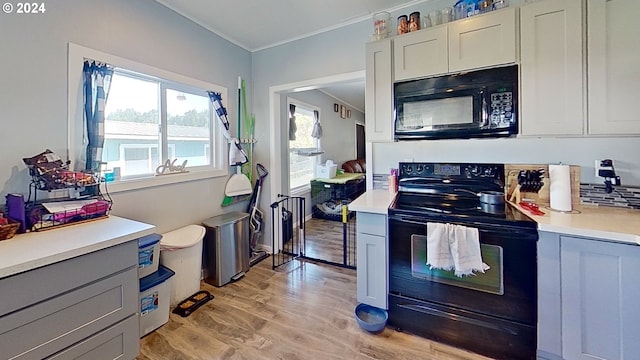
column 306, row 187
column 76, row 125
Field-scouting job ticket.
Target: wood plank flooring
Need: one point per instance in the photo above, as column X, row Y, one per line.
column 324, row 240
column 301, row 311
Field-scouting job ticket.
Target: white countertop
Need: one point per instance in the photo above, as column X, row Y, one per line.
column 600, row 222
column 31, row 250
column 373, row 201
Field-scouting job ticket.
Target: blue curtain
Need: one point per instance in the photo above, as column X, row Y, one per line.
column 221, row 112
column 97, row 80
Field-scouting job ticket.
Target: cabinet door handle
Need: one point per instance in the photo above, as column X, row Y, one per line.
column 484, row 114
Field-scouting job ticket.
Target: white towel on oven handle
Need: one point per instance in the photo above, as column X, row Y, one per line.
column 438, row 247
column 465, row 250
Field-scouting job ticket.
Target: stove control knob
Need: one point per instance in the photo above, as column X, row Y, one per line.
column 419, row 169
column 474, row 170
column 409, row 169
column 488, row 172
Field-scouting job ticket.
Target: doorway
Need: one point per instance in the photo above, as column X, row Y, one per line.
column 360, row 147
column 321, row 235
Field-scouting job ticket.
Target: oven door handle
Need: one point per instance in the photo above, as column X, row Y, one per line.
column 422, row 223
column 435, row 312
column 496, row 229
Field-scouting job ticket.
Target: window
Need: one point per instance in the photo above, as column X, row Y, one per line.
column 151, row 115
column 303, row 150
column 149, row 121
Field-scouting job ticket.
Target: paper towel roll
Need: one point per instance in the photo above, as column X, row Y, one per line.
column 560, row 187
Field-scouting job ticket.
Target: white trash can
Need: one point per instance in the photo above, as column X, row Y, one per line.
column 181, row 251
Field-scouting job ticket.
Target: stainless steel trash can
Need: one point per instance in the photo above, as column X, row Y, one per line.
column 226, row 249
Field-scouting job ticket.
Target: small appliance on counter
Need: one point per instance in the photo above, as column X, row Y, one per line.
column 604, row 169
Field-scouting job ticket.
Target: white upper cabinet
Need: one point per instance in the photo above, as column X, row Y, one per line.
column 551, row 68
column 421, row 53
column 483, row 40
column 378, row 92
column 613, row 70
column 476, row 42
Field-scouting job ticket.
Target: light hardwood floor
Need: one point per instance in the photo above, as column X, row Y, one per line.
column 324, row 240
column 300, row 311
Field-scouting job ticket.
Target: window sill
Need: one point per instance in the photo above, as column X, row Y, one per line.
column 301, row 191
column 144, row 183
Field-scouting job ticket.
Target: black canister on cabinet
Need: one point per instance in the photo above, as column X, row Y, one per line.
column 403, row 24
column 414, row 21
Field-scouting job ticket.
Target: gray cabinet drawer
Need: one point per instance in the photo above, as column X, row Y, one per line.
column 22, row 290
column 373, row 224
column 45, row 328
column 117, row 342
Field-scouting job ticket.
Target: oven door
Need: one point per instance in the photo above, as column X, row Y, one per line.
column 507, row 290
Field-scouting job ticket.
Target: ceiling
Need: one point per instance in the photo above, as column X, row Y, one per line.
column 259, row 24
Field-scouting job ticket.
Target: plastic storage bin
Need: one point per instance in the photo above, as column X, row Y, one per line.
column 226, row 248
column 148, row 254
column 181, row 251
column 155, row 292
column 326, row 171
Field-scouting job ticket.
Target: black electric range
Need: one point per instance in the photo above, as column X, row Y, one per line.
column 493, row 313
column 449, row 193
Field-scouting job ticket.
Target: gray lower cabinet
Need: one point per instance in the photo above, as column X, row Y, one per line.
column 588, row 298
column 81, row 308
column 371, row 278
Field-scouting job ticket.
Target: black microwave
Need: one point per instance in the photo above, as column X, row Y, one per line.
column 482, row 103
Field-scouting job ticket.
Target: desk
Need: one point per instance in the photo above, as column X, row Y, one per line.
column 328, row 195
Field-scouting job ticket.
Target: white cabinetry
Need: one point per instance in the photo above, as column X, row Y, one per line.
column 378, row 92
column 420, row 54
column 372, row 265
column 476, row 42
column 587, row 305
column 551, row 65
column 483, row 40
column 613, row 71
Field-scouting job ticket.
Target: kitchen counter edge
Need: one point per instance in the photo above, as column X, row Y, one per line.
column 599, row 222
column 373, row 201
column 32, row 250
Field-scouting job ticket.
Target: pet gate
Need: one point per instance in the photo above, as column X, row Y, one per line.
column 319, row 240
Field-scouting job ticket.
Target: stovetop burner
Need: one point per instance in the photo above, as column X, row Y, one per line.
column 447, row 192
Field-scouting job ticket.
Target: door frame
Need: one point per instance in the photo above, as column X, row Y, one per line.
column 275, row 123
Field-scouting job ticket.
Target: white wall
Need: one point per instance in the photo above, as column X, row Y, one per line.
column 33, row 96
column 339, row 135
column 573, row 151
